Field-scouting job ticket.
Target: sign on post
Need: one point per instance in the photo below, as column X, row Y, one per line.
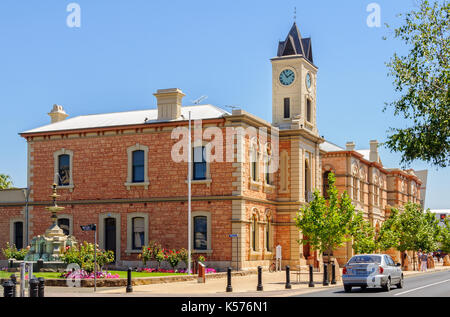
column 235, row 235
column 93, row 227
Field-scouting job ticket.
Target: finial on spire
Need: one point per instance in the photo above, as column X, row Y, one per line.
column 295, row 14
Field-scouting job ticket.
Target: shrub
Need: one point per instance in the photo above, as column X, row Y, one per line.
column 83, row 255
column 11, row 252
column 172, row 256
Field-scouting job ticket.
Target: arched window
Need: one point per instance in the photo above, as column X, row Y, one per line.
column 138, row 166
column 287, row 108
column 268, row 235
column 254, row 170
column 254, row 231
column 308, row 110
column 307, row 180
column 64, row 170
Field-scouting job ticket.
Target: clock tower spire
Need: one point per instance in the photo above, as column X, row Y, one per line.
column 294, row 84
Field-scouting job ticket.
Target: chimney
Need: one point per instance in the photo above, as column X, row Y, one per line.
column 373, row 155
column 350, row 146
column 169, row 103
column 57, row 114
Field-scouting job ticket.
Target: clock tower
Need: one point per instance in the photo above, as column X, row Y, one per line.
column 294, row 84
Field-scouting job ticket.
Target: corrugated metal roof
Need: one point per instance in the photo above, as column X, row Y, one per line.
column 128, row 118
column 327, row 146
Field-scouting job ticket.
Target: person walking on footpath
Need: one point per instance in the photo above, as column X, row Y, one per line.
column 424, row 258
column 419, row 258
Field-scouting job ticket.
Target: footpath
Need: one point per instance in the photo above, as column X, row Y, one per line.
column 243, row 286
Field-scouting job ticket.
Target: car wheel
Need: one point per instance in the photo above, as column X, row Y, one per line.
column 347, row 288
column 387, row 286
column 400, row 284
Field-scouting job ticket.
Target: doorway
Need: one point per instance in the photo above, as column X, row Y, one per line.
column 110, row 235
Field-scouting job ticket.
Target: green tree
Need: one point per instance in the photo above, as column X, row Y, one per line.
column 388, row 238
column 444, row 240
column 363, row 234
column 5, row 181
column 411, row 229
column 422, row 80
column 327, row 224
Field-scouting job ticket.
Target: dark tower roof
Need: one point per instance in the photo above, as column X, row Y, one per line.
column 295, row 45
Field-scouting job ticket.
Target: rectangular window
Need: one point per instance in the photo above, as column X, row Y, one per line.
column 18, row 234
column 268, row 174
column 138, row 166
column 199, row 164
column 64, row 224
column 287, row 108
column 200, row 233
column 64, row 170
column 308, row 110
column 138, row 234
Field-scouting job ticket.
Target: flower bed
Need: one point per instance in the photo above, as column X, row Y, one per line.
column 153, row 270
column 85, row 275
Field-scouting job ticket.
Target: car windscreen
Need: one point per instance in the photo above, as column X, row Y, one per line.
column 365, row 259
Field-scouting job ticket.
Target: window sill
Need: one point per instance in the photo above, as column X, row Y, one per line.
column 145, row 184
column 269, row 188
column 133, row 251
column 207, row 181
column 209, row 251
column 255, row 185
column 69, row 187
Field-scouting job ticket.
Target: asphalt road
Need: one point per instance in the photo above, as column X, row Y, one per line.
column 426, row 285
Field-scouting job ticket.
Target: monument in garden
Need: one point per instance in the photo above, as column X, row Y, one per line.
column 48, row 247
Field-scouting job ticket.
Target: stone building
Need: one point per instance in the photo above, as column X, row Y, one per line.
column 373, row 188
column 117, row 170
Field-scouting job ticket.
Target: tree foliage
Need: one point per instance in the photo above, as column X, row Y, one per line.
column 422, row 80
column 327, row 224
column 412, row 229
column 5, row 181
column 445, row 237
column 363, row 234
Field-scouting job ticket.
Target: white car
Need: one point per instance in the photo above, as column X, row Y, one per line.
column 372, row 270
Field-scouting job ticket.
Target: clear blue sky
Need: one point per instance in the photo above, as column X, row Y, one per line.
column 125, row 50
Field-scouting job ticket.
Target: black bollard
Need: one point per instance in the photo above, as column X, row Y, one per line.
column 260, row 286
column 229, row 288
column 14, row 280
column 34, row 287
column 129, row 286
column 288, row 277
column 333, row 273
column 8, row 289
column 311, row 276
column 39, row 265
column 325, row 274
column 41, row 288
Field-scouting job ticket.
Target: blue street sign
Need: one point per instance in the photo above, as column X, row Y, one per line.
column 233, row 235
column 90, row 227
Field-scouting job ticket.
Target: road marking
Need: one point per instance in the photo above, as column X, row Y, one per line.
column 415, row 289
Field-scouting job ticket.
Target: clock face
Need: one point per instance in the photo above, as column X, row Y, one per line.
column 287, row 77
column 308, row 80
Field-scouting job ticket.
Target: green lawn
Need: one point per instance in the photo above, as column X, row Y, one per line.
column 122, row 274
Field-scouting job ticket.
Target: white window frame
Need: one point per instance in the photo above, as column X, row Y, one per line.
column 56, row 155
column 130, row 218
column 129, row 183
column 206, row 214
